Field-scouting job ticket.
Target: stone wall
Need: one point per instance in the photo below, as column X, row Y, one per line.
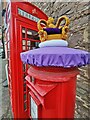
column 79, row 38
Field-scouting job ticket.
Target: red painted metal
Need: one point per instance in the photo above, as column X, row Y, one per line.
column 21, row 24
column 53, row 90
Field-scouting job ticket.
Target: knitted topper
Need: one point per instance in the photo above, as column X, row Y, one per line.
column 49, row 31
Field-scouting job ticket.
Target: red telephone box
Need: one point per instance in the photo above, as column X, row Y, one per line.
column 22, row 18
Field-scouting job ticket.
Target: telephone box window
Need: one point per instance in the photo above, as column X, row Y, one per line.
column 24, row 67
column 23, row 32
column 36, row 44
column 32, row 34
column 29, row 41
column 29, row 33
column 28, row 44
column 25, row 95
column 25, row 106
column 23, row 42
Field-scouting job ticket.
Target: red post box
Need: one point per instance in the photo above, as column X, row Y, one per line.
column 51, row 92
column 22, row 18
column 51, row 80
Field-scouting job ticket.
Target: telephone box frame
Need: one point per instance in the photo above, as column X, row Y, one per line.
column 16, row 21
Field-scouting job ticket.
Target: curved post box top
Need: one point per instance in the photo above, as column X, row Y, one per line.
column 56, row 56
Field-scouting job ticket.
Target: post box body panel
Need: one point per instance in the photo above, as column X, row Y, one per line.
column 56, row 98
column 21, row 20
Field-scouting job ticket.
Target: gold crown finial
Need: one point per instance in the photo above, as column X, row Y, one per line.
column 49, row 31
column 50, row 22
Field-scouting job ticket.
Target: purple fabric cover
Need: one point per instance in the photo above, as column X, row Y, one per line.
column 53, row 31
column 56, row 56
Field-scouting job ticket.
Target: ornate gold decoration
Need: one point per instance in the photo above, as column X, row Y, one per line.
column 43, row 24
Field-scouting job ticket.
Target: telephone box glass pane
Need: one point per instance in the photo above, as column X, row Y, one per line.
column 32, row 34
column 23, row 42
column 37, row 44
column 25, row 106
column 29, row 33
column 23, row 32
